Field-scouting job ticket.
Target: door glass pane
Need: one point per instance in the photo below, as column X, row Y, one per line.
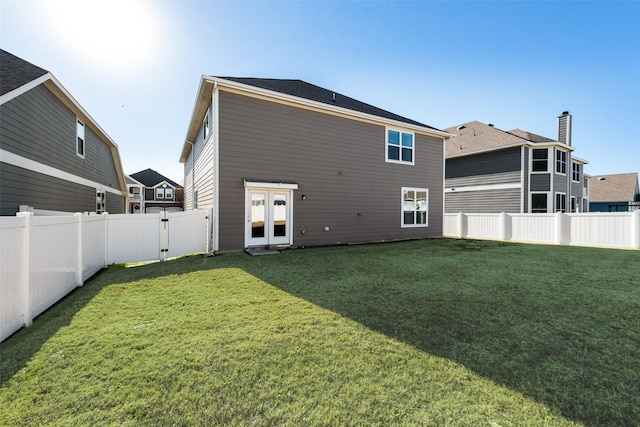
column 279, row 215
column 257, row 214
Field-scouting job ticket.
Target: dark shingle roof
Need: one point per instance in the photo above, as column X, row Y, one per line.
column 150, row 178
column 312, row 92
column 16, row 72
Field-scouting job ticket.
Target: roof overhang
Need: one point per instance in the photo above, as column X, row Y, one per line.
column 209, row 83
column 518, row 144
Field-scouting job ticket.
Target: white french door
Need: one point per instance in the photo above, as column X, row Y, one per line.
column 268, row 214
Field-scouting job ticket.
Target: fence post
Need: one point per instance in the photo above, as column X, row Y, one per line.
column 635, row 228
column 505, row 227
column 79, row 249
column 105, row 216
column 25, row 276
column 563, row 228
column 462, row 225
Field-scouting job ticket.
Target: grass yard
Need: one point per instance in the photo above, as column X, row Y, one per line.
column 426, row 333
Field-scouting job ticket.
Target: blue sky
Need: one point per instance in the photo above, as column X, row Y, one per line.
column 135, row 66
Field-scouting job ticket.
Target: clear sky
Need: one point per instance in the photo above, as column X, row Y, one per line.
column 135, row 65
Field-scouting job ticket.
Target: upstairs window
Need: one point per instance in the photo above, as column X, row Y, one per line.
column 164, row 193
column 400, row 148
column 561, row 162
column 414, row 207
column 575, row 172
column 80, row 138
column 205, row 126
column 540, row 160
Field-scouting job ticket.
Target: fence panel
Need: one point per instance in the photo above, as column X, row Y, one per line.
column 94, row 248
column 11, row 296
column 53, row 247
column 187, row 232
column 450, row 225
column 133, row 238
column 483, row 226
column 607, row 229
column 533, row 228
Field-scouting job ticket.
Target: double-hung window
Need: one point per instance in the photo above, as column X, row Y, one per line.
column 400, row 147
column 80, row 138
column 561, row 162
column 415, row 210
column 538, row 203
column 540, row 160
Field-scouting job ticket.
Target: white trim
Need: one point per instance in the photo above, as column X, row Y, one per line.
column 84, row 138
column 386, row 146
column 273, row 185
column 555, row 208
column 556, row 162
column 485, row 187
column 531, row 171
column 24, row 88
column 22, row 162
column 531, row 194
column 522, row 178
column 215, row 116
column 402, row 211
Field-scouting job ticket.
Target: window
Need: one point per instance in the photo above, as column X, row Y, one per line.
column 540, row 160
column 561, row 162
column 148, row 194
column 575, row 172
column 414, row 207
column 164, row 193
column 399, row 147
column 205, row 126
column 195, row 199
column 101, row 202
column 80, row 138
column 574, row 204
column 561, row 202
column 538, row 203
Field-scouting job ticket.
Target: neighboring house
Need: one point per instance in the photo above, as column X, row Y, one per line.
column 151, row 192
column 491, row 170
column 614, row 193
column 53, row 155
column 288, row 163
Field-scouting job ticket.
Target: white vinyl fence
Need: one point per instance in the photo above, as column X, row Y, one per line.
column 619, row 230
column 43, row 258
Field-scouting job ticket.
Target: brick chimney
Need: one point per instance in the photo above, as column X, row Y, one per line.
column 564, row 128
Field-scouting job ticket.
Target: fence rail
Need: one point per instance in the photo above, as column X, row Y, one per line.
column 620, row 230
column 43, row 258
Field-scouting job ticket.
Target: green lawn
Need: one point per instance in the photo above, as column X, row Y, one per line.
column 432, row 332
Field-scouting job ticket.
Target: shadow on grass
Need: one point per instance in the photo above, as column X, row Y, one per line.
column 16, row 350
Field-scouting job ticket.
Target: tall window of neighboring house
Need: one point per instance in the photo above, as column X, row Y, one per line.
column 575, row 172
column 80, row 138
column 561, row 162
column 539, row 203
column 101, row 202
column 205, row 126
column 540, row 160
column 400, row 147
column 164, row 193
column 414, row 207
column 561, row 202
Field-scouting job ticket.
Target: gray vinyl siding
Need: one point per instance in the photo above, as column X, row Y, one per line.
column 488, row 201
column 339, row 165
column 495, row 167
column 24, row 187
column 540, row 182
column 37, row 126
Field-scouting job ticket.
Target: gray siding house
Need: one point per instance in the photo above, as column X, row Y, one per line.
column 53, row 155
column 152, row 192
column 491, row 170
column 288, row 163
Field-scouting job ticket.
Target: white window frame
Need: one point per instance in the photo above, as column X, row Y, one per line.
column 386, row 147
column 81, row 125
column 561, row 163
column 101, row 201
column 574, row 207
column 545, row 193
column 560, row 207
column 532, row 160
column 205, row 126
column 402, row 207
